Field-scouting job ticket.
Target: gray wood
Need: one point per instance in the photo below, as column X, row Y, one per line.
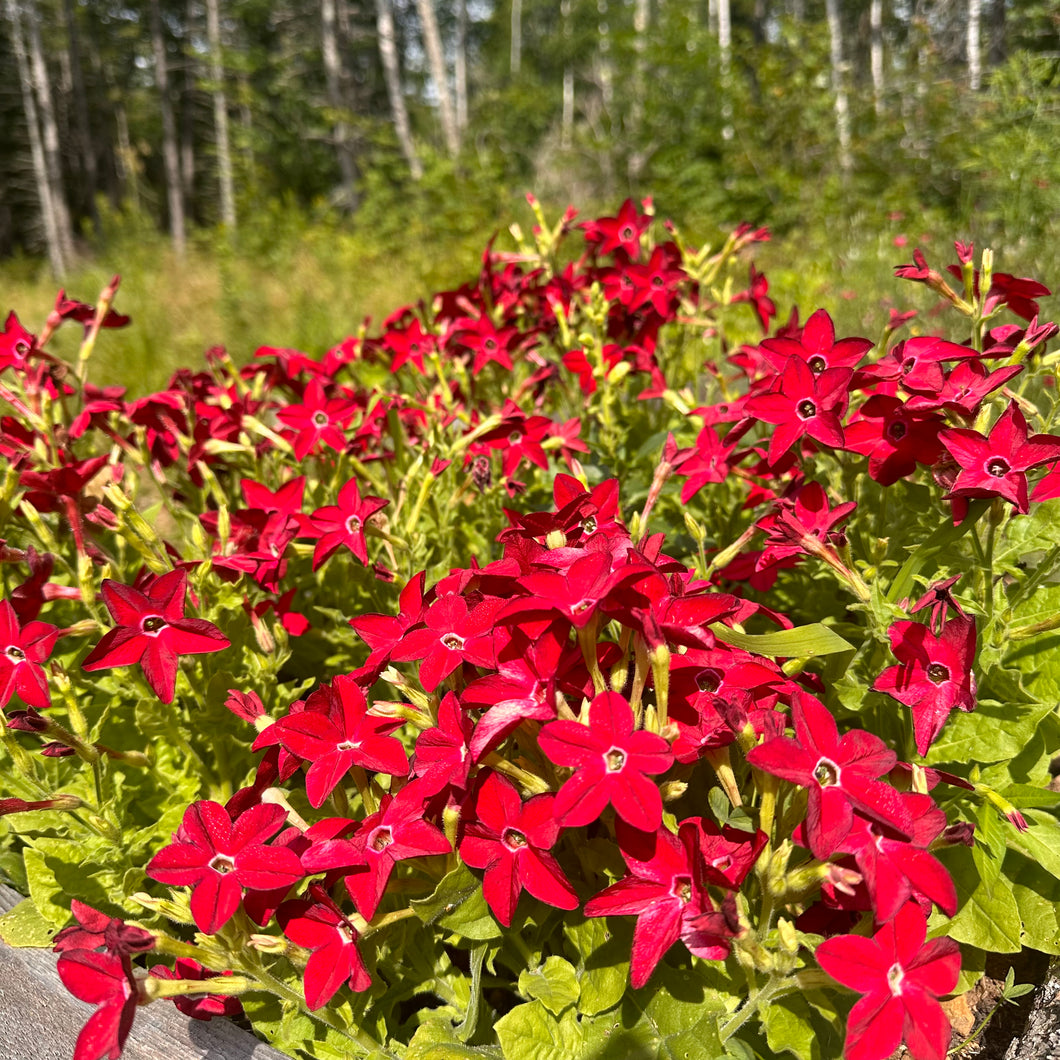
column 39, row 1020
column 1040, row 1039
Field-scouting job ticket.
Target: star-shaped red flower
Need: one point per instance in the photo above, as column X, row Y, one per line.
column 153, row 631
column 612, row 762
column 901, row 979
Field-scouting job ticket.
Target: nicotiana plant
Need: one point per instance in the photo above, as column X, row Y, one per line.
column 581, row 665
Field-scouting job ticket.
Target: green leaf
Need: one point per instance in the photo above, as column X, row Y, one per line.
column 1037, row 895
column 554, row 984
column 23, row 926
column 603, row 965
column 991, row 733
column 1041, row 841
column 989, row 849
column 457, row 905
column 988, row 921
column 789, row 1027
column 436, row 1040
column 531, row 1032
column 802, row 642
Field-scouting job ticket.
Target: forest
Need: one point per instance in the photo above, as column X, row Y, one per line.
column 387, row 138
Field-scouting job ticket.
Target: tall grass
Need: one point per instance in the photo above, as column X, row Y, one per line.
column 293, row 281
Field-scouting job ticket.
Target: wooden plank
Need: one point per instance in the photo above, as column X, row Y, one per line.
column 41, row 1020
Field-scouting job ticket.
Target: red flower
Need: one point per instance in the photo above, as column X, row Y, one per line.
column 218, row 858
column 511, row 839
column 817, row 346
column 933, row 675
column 610, row 234
column 22, row 654
column 665, row 891
column 153, row 631
column 997, row 466
column 612, row 763
column 95, row 929
column 107, row 981
column 321, row 927
column 317, row 422
column 342, row 523
column 198, row 1006
column 838, row 773
column 395, row 832
column 902, row 979
column 335, row 732
column 802, row 403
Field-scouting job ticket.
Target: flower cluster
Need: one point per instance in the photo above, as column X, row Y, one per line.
column 535, row 619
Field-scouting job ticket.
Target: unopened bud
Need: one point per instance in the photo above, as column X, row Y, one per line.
column 672, row 790
column 555, row 539
column 789, row 939
column 275, row 945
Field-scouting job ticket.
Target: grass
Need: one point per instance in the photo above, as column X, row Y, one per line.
column 309, row 285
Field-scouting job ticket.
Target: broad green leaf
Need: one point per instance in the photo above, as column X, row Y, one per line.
column 554, row 984
column 990, row 733
column 603, row 966
column 23, row 926
column 991, row 922
column 1037, row 895
column 436, row 1040
column 989, row 849
column 457, row 905
column 470, row 1021
column 802, row 642
column 1041, row 841
column 531, row 1032
column 789, row 1027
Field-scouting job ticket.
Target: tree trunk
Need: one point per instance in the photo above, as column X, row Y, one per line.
column 842, row 107
column 50, row 134
column 86, row 149
column 725, row 47
column 170, row 150
column 567, row 117
column 391, row 71
column 220, row 117
column 515, row 56
column 186, row 101
column 876, row 53
column 998, row 46
column 975, row 72
column 637, row 155
column 460, row 66
column 333, row 80
column 40, row 170
column 432, row 42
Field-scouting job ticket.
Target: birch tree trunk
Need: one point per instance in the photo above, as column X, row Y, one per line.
column 975, row 11
column 40, row 171
column 432, row 42
column 333, row 81
column 170, row 151
column 220, row 116
column 49, row 133
column 842, row 106
column 725, row 47
column 392, row 72
column 876, row 53
column 567, row 116
column 460, row 66
column 638, row 155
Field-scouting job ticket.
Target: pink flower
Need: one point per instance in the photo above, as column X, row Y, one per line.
column 901, row 979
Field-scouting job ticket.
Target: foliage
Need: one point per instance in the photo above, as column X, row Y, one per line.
column 697, row 645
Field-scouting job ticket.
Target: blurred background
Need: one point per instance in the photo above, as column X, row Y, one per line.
column 270, row 171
